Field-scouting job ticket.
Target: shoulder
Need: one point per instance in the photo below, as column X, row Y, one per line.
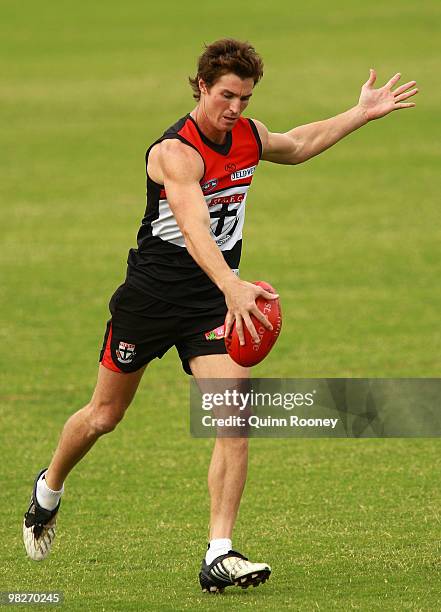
column 176, row 149
column 176, row 159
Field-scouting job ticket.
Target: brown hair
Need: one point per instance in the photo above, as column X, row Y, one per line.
column 224, row 56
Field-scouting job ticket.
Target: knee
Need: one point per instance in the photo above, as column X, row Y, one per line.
column 104, row 417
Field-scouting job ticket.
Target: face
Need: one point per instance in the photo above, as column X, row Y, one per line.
column 225, row 101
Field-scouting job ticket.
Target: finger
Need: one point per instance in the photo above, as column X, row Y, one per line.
column 251, row 328
column 228, row 324
column 404, row 105
column 262, row 318
column 402, row 88
column 406, row 95
column 372, row 78
column 269, row 296
column 391, row 82
column 239, row 329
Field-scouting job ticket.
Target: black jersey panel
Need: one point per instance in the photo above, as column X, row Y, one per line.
column 174, row 276
column 256, row 136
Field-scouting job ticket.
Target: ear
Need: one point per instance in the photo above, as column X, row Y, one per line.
column 202, row 86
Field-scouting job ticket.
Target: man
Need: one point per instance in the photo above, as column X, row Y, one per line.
column 182, row 281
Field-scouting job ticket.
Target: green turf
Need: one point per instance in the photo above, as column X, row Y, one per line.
column 350, row 240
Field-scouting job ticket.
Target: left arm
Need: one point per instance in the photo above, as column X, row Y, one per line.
column 306, row 141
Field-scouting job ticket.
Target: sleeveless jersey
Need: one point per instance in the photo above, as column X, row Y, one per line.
column 161, row 266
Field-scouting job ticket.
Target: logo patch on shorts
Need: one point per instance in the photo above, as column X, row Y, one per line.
column 125, row 352
column 215, row 334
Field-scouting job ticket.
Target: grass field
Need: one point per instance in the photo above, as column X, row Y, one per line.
column 351, row 240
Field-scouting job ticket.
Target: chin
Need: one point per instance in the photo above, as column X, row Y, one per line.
column 228, row 126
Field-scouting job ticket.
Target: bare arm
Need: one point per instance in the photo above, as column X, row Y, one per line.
column 306, row 141
column 182, row 169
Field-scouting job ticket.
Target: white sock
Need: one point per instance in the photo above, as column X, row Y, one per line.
column 47, row 498
column 216, row 548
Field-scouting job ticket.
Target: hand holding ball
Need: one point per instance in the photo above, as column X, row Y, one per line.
column 252, row 353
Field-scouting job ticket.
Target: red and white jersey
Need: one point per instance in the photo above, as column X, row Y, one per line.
column 161, row 265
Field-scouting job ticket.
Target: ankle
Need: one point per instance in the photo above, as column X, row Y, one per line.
column 47, row 497
column 216, row 548
column 52, row 482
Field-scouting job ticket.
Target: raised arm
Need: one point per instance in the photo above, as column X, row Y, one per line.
column 306, row 141
column 182, row 168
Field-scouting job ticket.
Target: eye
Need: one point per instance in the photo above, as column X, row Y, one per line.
column 227, row 95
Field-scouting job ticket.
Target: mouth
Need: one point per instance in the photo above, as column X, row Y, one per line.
column 230, row 118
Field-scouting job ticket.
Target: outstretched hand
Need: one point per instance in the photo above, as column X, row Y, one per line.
column 377, row 103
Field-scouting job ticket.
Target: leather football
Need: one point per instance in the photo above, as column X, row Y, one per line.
column 252, row 353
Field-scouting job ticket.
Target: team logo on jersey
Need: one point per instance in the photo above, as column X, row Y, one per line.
column 209, row 185
column 241, row 174
column 230, row 167
column 215, row 334
column 125, row 352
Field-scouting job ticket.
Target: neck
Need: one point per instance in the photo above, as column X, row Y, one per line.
column 206, row 127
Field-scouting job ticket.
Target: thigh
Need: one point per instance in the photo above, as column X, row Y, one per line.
column 219, row 374
column 217, row 366
column 116, row 389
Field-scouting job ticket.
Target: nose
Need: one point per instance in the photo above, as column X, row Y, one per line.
column 235, row 107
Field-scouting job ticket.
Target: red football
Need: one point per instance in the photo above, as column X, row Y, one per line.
column 252, row 353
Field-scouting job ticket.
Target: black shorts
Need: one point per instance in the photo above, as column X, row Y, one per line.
column 144, row 327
